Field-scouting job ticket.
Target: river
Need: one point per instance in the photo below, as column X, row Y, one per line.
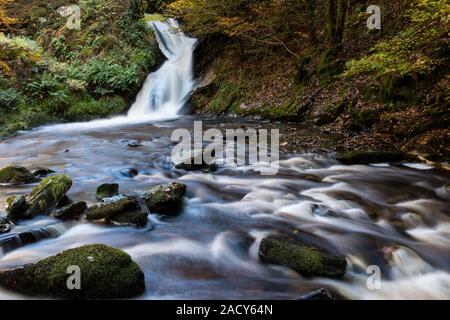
column 393, row 217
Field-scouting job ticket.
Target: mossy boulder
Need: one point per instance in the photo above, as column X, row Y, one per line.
column 166, row 199
column 368, row 157
column 16, row 207
column 46, row 196
column 105, row 273
column 107, row 190
column 72, row 211
column 120, row 210
column 307, row 260
column 16, row 175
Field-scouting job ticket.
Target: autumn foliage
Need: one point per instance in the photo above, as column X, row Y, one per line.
column 5, row 20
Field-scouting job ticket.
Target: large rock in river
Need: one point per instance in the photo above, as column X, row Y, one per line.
column 307, row 260
column 120, row 210
column 46, row 196
column 16, row 175
column 16, row 207
column 72, row 211
column 368, row 157
column 107, row 190
column 166, row 199
column 105, row 273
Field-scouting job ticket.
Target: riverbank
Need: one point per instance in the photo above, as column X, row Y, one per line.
column 379, row 90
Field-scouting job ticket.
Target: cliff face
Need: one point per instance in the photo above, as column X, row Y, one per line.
column 53, row 70
column 380, row 89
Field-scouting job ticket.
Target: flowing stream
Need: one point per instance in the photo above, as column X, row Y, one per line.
column 395, row 217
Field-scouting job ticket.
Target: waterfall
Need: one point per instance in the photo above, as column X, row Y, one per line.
column 165, row 91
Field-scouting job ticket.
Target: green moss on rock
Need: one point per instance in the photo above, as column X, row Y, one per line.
column 166, row 199
column 16, row 207
column 107, row 190
column 106, row 273
column 46, row 196
column 119, row 210
column 16, row 175
column 307, row 260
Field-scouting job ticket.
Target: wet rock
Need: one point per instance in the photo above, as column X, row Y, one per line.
column 64, row 202
column 134, row 144
column 321, row 294
column 129, row 173
column 107, row 190
column 46, row 196
column 197, row 167
column 190, row 165
column 106, row 273
column 5, row 225
column 368, row 157
column 13, row 240
column 166, row 199
column 195, row 163
column 16, row 175
column 72, row 212
column 16, row 207
column 42, row 172
column 307, row 260
column 136, row 218
column 120, row 210
column 321, row 210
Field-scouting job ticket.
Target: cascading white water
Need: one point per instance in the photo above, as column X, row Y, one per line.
column 165, row 91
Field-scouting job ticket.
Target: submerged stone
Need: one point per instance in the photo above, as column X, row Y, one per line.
column 46, row 196
column 42, row 172
column 129, row 173
column 5, row 225
column 16, row 207
column 121, row 210
column 134, row 144
column 195, row 163
column 16, row 175
column 105, row 273
column 107, row 190
column 368, row 157
column 71, row 212
column 166, row 199
column 307, row 260
column 321, row 294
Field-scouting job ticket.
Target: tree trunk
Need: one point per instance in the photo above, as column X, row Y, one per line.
column 332, row 13
column 340, row 20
